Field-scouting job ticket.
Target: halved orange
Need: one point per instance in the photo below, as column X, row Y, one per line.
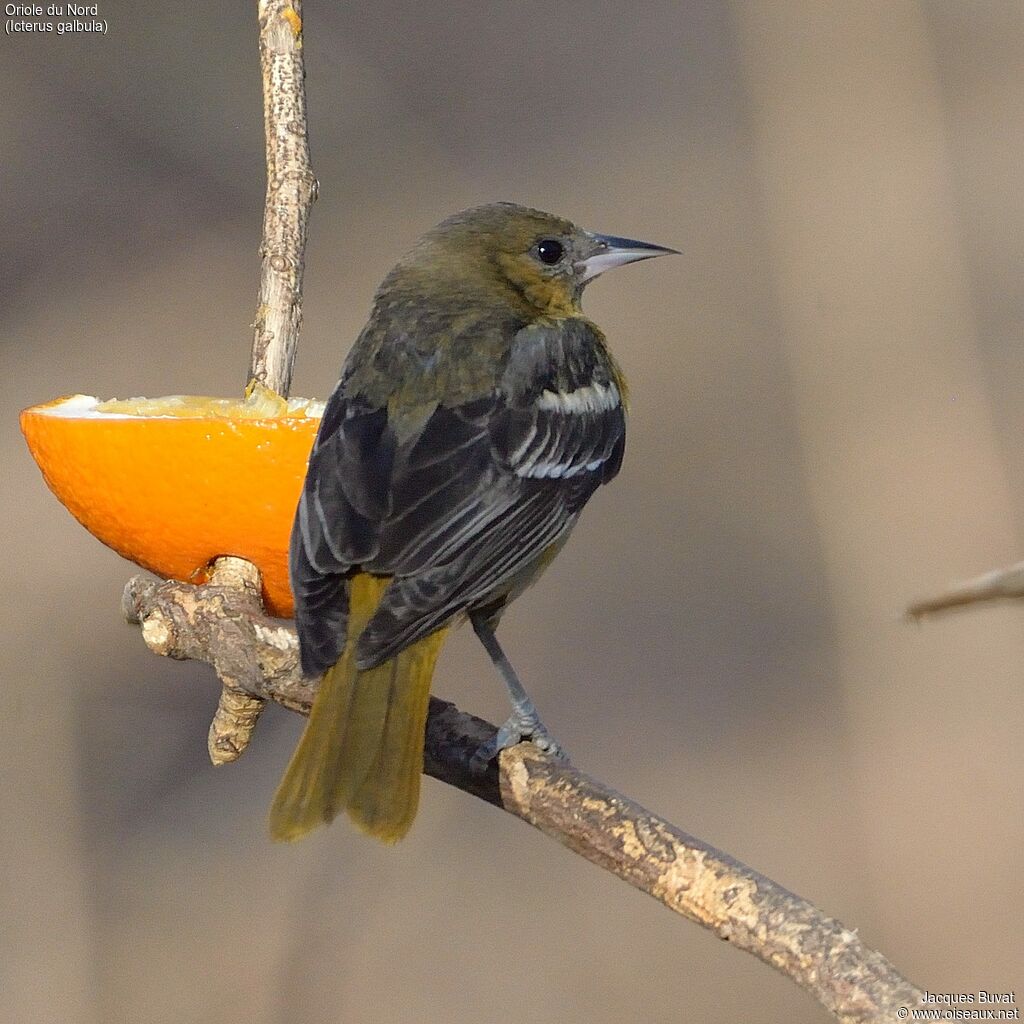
column 172, row 483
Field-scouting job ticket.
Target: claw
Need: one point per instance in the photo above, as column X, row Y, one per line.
column 517, row 728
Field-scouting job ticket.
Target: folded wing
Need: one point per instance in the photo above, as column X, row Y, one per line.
column 458, row 512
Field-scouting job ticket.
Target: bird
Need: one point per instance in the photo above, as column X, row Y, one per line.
column 476, row 414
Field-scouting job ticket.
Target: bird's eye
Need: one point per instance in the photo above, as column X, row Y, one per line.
column 550, row 251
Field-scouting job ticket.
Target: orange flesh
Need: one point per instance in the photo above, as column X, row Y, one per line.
column 173, row 483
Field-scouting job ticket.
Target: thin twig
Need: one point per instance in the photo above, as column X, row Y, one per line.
column 998, row 585
column 216, row 624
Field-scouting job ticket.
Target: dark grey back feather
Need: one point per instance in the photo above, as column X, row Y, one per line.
column 462, row 508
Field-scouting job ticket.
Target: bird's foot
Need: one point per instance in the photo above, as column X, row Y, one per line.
column 518, row 727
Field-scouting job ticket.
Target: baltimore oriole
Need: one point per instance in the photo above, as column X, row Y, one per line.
column 476, row 414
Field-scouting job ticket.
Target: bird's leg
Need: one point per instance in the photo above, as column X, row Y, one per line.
column 524, row 723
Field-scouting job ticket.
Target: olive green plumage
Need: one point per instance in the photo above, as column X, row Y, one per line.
column 476, row 414
column 445, row 316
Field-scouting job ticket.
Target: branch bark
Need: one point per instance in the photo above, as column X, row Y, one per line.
column 291, row 191
column 221, row 623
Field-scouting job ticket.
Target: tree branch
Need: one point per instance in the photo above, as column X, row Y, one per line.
column 291, row 191
column 222, row 624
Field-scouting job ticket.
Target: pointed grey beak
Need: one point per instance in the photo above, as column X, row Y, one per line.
column 611, row 251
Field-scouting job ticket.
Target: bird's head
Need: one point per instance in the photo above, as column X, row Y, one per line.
column 533, row 259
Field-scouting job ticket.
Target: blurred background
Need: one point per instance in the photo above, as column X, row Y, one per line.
column 827, row 407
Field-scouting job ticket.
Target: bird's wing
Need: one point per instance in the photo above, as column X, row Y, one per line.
column 459, row 507
column 564, row 413
column 489, row 485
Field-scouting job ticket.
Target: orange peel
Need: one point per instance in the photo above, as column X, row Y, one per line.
column 173, row 483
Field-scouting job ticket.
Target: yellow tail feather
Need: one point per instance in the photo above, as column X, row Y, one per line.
column 362, row 749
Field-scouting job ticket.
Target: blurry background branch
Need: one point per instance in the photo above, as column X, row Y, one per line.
column 997, row 585
column 222, row 624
